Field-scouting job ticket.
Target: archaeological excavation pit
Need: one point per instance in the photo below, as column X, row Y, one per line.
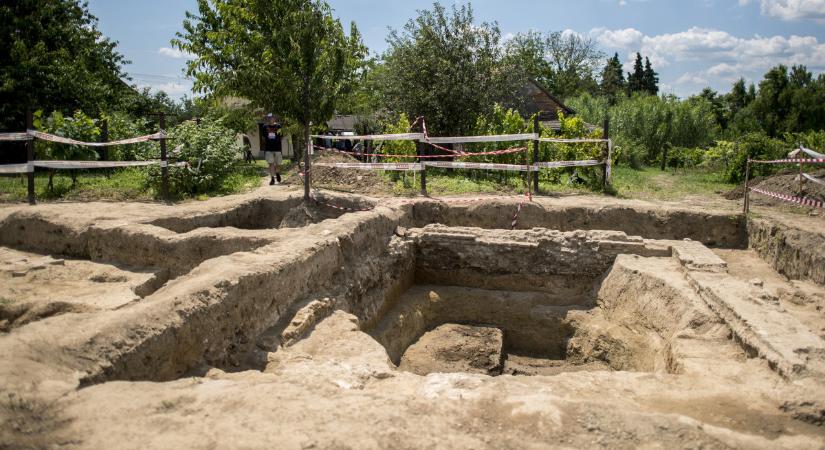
column 518, row 303
column 416, row 321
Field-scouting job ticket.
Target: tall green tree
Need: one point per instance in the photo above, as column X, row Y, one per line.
column 650, row 79
column 53, row 57
column 613, row 83
column 291, row 57
column 446, row 67
column 565, row 63
column 636, row 79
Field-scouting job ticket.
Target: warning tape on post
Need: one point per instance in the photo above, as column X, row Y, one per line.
column 416, row 167
column 64, row 140
column 483, row 166
column 791, row 161
column 790, row 198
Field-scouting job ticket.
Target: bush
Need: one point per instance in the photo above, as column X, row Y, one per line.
column 211, row 151
column 123, row 126
column 754, row 146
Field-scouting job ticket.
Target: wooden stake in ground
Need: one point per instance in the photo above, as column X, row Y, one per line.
column 30, row 157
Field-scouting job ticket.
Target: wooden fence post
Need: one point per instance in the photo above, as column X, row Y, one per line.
column 608, row 156
column 537, row 131
column 30, row 157
column 104, row 137
column 421, row 149
column 747, row 187
column 801, row 178
column 164, row 158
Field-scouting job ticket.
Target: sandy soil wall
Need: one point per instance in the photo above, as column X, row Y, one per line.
column 793, row 252
column 715, row 229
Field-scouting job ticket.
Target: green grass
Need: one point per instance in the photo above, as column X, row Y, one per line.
column 652, row 183
column 647, row 183
column 116, row 185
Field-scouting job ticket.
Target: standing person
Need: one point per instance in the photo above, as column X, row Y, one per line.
column 272, row 148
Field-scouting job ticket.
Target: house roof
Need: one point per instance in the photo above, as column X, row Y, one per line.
column 535, row 98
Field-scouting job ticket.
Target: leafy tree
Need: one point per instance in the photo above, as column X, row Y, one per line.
column 53, row 57
column 444, row 66
column 290, row 57
column 573, row 59
column 650, row 79
column 613, row 83
column 565, row 63
column 719, row 106
column 636, row 79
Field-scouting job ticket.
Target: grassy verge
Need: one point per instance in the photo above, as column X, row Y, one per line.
column 651, row 183
column 116, row 185
column 647, row 183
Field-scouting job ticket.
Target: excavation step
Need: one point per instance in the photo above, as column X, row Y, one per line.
column 452, row 348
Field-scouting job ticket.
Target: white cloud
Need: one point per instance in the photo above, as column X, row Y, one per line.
column 723, row 51
column 792, row 9
column 174, row 53
column 173, row 88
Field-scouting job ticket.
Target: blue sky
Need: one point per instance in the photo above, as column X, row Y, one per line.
column 692, row 43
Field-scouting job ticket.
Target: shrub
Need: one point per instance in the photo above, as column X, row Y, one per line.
column 210, row 149
column 754, row 146
column 123, row 126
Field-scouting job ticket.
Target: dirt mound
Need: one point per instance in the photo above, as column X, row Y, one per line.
column 453, row 348
column 350, row 180
column 784, row 182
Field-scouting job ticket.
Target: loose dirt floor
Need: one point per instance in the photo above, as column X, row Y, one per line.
column 254, row 321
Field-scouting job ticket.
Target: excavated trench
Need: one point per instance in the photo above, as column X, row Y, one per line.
column 402, row 313
column 263, row 273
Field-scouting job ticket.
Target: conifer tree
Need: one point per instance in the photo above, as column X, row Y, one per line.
column 635, row 79
column 612, row 78
column 650, row 79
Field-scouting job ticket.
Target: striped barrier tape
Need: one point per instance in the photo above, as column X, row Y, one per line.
column 372, row 137
column 791, row 161
column 557, row 164
column 573, row 141
column 64, row 140
column 15, row 137
column 461, row 165
column 16, row 168
column 453, row 155
column 374, row 166
column 790, row 198
column 527, row 198
column 485, row 166
column 477, row 139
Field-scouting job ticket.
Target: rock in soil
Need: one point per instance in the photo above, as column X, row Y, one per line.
column 452, row 348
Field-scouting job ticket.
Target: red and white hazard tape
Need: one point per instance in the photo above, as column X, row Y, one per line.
column 452, row 155
column 573, row 141
column 791, row 161
column 15, row 137
column 64, row 140
column 55, row 164
column 790, row 198
column 478, row 139
column 415, row 167
column 527, row 198
column 372, row 137
column 484, row 166
column 557, row 164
